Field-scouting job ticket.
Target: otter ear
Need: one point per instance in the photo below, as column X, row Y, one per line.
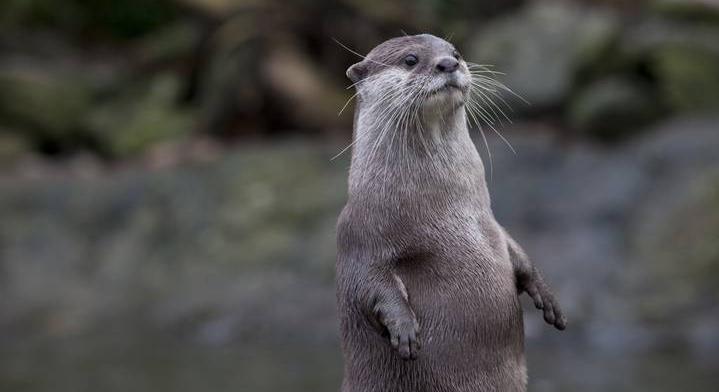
column 357, row 72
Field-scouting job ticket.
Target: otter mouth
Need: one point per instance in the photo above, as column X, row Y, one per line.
column 447, row 87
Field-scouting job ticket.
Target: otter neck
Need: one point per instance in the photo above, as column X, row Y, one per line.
column 435, row 150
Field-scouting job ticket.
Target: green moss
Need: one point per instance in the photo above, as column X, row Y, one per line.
column 120, row 19
column 12, row 146
column 681, row 260
column 689, row 77
column 690, row 10
column 613, row 108
column 50, row 106
column 14, row 13
column 140, row 118
column 173, row 42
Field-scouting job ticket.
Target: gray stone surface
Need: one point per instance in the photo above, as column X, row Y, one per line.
column 243, row 248
column 542, row 47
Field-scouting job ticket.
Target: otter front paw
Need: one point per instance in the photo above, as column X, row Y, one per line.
column 544, row 300
column 404, row 336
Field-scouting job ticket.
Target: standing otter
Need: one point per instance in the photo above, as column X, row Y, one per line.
column 422, row 260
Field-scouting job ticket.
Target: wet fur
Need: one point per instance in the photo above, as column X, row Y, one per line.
column 427, row 280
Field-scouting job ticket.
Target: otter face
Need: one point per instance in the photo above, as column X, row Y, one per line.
column 420, row 70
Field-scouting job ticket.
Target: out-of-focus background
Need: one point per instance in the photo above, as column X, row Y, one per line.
column 167, row 199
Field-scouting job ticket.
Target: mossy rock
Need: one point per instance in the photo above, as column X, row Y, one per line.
column 613, row 108
column 171, row 43
column 139, row 245
column 12, row 147
column 680, row 57
column 118, row 19
column 693, row 10
column 49, row 106
column 140, row 118
column 689, row 77
column 231, row 82
column 543, row 47
column 679, row 261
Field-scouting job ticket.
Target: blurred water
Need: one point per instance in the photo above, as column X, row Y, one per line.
column 159, row 365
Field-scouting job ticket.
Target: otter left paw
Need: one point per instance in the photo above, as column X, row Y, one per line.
column 544, row 300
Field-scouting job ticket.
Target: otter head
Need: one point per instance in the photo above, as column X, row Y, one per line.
column 422, row 73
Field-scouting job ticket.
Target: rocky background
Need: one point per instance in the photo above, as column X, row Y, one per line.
column 168, row 201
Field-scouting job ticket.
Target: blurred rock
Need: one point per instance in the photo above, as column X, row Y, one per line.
column 49, row 105
column 683, row 57
column 119, row 19
column 232, row 93
column 613, row 108
column 701, row 10
column 314, row 98
column 578, row 210
column 541, row 48
column 141, row 117
column 173, row 43
column 431, row 15
column 689, row 77
column 219, row 8
column 12, row 147
column 247, row 243
column 678, row 267
column 244, row 247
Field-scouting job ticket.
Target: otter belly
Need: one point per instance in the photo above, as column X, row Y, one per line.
column 471, row 330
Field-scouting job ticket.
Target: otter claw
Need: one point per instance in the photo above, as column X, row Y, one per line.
column 404, row 339
column 545, row 301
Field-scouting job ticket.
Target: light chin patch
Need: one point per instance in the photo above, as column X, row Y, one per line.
column 444, row 100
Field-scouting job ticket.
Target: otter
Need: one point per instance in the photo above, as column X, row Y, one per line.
column 428, row 282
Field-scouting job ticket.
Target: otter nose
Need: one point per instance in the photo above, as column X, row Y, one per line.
column 447, row 64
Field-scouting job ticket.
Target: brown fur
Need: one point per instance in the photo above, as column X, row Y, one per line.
column 422, row 260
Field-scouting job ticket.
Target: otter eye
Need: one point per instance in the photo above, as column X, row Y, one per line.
column 411, row 60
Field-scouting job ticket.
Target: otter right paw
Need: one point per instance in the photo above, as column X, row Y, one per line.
column 404, row 337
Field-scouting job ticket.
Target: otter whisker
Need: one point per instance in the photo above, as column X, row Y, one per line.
column 413, row 116
column 474, row 67
column 490, row 94
column 357, row 137
column 357, row 54
column 491, row 86
column 343, row 151
column 391, row 113
column 485, row 72
column 496, row 110
column 363, row 81
column 481, row 113
column 421, row 126
column 501, row 86
column 340, row 112
column 492, row 125
column 471, row 110
column 480, row 85
column 403, row 120
column 347, row 103
column 397, row 124
column 391, row 142
column 492, row 106
column 477, row 95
